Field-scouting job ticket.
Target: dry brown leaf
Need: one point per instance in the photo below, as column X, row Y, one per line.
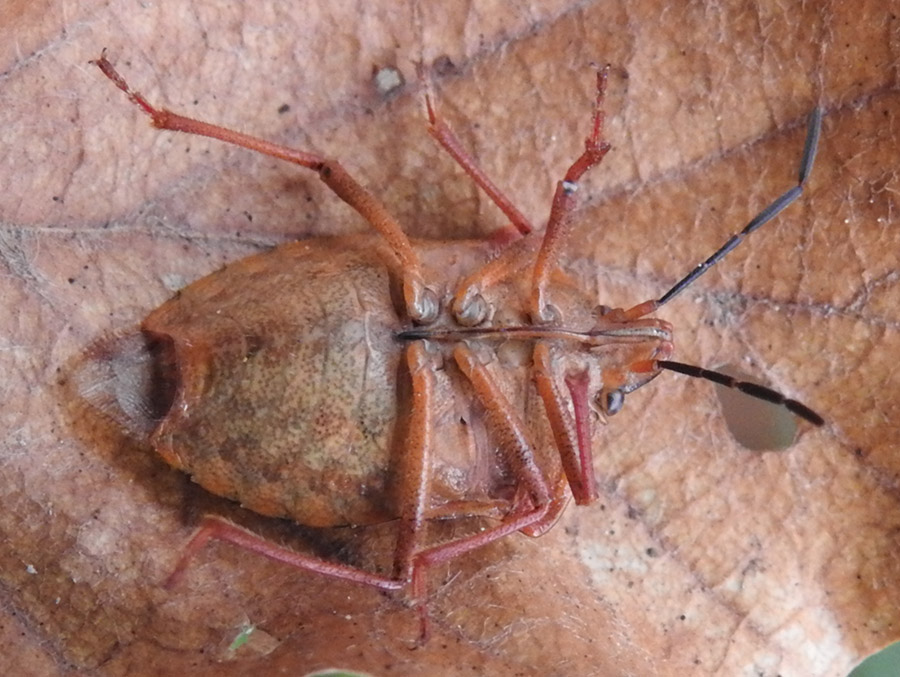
column 702, row 557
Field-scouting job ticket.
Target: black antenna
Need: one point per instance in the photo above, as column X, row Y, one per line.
column 813, row 130
column 752, row 389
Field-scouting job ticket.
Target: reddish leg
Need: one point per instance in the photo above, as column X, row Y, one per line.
column 444, row 135
column 510, row 432
column 572, row 435
column 468, row 304
column 559, row 499
column 559, row 224
column 216, row 528
column 415, row 468
column 421, row 303
column 512, row 438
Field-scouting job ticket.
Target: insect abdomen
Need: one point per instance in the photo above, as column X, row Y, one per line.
column 286, row 403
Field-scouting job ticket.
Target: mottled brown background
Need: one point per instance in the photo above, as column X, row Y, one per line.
column 703, row 557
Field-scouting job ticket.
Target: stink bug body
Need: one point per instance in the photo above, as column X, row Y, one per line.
column 339, row 381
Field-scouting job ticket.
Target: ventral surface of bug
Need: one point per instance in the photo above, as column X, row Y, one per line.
column 373, row 378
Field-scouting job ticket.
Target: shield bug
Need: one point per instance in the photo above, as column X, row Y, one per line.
column 313, row 381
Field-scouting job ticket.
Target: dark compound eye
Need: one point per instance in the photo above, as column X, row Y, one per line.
column 611, row 401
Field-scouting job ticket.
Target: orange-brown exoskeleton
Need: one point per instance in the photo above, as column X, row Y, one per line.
column 304, row 381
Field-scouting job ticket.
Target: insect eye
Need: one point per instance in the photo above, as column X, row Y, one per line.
column 610, row 401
